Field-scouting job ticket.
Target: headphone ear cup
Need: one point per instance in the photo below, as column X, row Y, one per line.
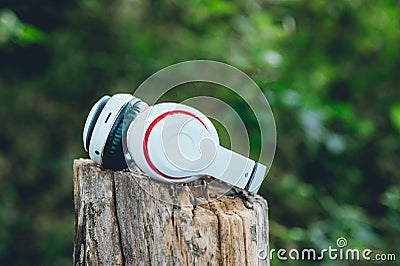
column 113, row 156
column 92, row 120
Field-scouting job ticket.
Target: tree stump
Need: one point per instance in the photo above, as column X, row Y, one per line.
column 126, row 218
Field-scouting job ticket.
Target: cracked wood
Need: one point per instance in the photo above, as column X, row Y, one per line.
column 119, row 222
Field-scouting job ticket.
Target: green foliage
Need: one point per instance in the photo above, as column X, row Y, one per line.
column 328, row 68
column 13, row 30
column 395, row 116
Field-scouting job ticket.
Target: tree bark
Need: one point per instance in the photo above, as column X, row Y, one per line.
column 126, row 218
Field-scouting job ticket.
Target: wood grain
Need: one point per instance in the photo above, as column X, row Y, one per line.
column 126, row 218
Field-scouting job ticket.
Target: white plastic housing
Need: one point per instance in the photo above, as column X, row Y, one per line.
column 176, row 143
column 104, row 124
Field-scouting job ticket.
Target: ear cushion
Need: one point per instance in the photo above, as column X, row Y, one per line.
column 113, row 154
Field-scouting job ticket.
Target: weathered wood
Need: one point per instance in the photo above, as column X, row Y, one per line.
column 118, row 221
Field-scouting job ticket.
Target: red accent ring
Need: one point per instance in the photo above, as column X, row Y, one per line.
column 147, row 135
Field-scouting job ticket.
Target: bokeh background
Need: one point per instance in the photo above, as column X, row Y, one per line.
column 330, row 70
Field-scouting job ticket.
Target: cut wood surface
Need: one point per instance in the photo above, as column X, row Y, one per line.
column 126, row 218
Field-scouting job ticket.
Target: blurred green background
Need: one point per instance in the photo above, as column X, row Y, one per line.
column 330, row 70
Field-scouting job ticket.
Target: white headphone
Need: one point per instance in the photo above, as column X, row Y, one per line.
column 168, row 141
